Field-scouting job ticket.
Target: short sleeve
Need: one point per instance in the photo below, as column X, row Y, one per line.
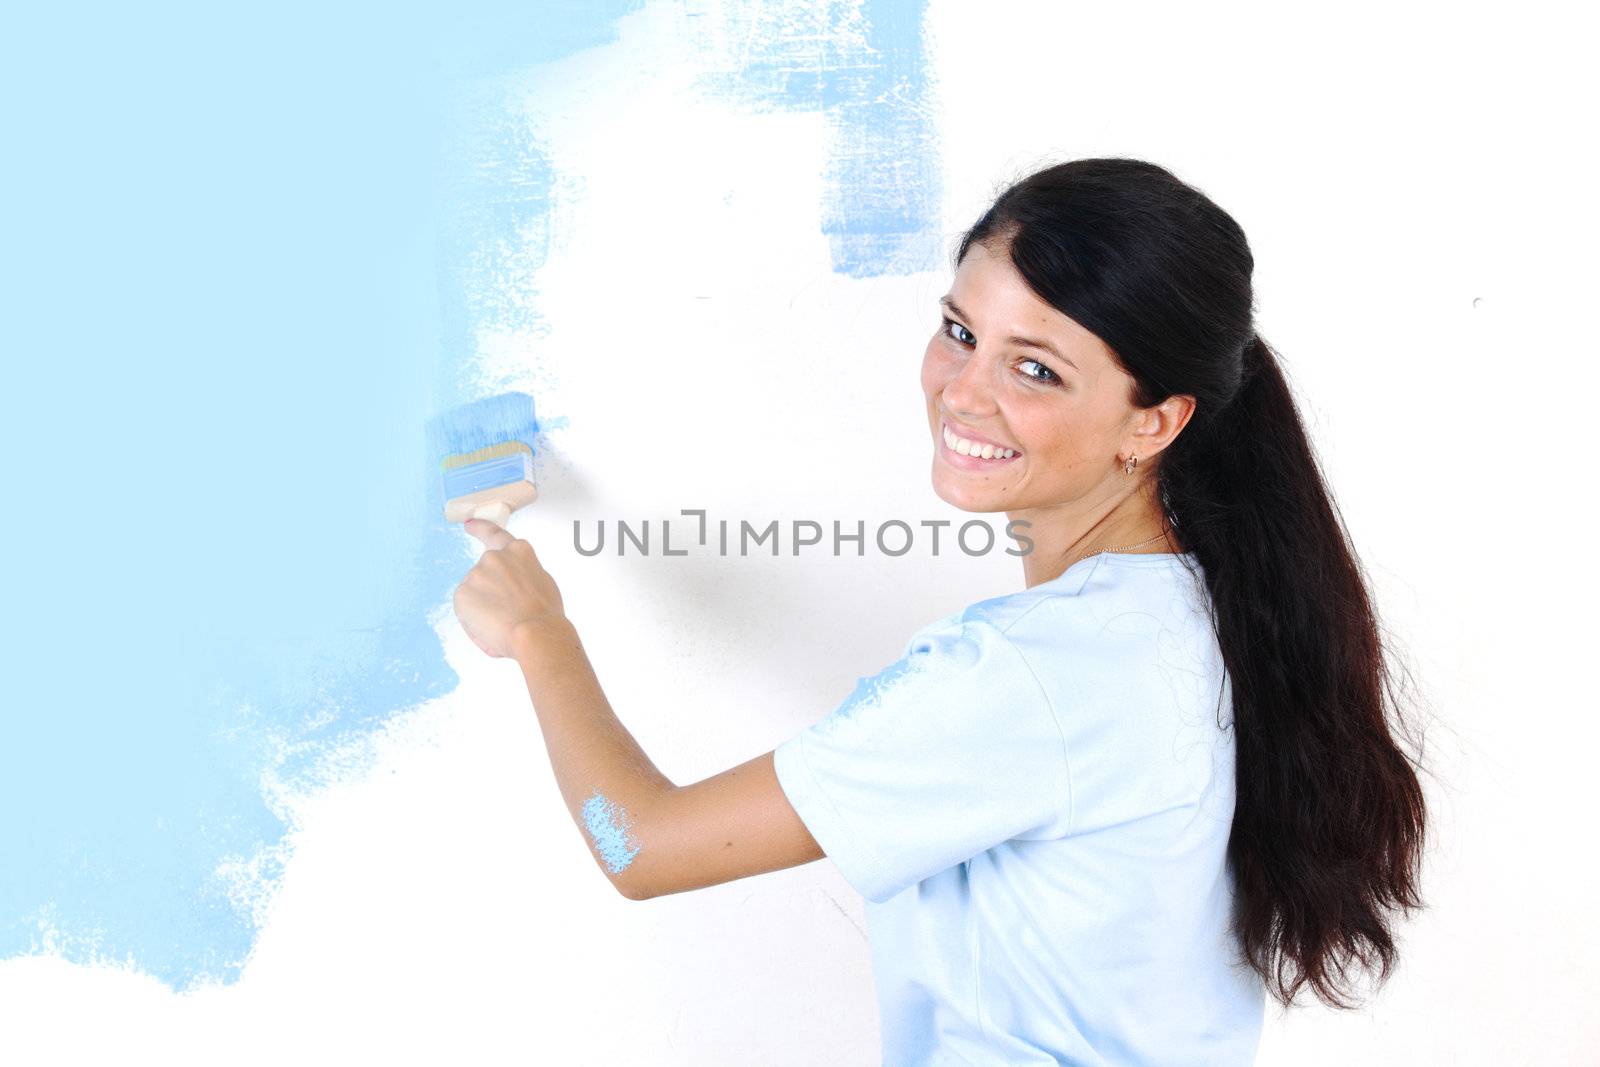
column 943, row 754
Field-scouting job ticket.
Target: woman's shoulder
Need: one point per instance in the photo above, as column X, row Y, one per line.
column 1164, row 587
column 1134, row 625
column 1126, row 643
column 1117, row 614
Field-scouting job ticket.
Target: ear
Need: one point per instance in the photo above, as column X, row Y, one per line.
column 1155, row 428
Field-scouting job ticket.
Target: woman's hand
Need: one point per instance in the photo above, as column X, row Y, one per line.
column 507, row 588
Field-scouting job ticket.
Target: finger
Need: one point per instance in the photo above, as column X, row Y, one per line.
column 491, row 535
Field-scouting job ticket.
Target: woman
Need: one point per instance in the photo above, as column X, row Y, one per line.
column 1094, row 820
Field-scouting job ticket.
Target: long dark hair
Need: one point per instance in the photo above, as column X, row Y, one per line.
column 1328, row 824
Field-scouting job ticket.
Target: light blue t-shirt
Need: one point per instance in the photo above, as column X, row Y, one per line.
column 1035, row 802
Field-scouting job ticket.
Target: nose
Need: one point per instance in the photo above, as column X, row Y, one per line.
column 970, row 394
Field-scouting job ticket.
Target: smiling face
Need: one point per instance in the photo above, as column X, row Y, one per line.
column 1063, row 408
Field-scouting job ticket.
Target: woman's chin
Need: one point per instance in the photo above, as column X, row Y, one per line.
column 964, row 494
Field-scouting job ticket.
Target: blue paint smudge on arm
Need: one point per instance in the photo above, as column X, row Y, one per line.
column 608, row 825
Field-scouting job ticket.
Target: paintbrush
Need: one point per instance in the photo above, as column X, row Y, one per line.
column 485, row 452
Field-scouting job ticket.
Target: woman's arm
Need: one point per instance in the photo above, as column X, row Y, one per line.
column 649, row 836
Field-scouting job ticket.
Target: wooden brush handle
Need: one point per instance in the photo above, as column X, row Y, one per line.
column 497, row 512
column 495, row 503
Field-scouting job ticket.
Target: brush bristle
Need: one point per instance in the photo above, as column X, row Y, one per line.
column 457, row 437
column 467, row 459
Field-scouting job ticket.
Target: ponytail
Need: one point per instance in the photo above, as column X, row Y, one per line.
column 1329, row 816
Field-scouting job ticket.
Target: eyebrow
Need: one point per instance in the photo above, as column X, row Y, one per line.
column 1026, row 342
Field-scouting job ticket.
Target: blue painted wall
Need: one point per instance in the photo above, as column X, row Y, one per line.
column 246, row 254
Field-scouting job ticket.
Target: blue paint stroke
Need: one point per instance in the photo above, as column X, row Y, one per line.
column 874, row 688
column 863, row 64
column 608, row 826
column 247, row 271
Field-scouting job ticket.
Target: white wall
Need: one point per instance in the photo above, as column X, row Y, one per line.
column 1418, row 193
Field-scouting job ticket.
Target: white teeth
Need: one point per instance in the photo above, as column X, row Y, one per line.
column 972, row 448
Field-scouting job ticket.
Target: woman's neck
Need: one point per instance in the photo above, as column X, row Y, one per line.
column 1064, row 534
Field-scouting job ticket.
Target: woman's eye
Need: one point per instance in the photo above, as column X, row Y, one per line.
column 949, row 322
column 1053, row 377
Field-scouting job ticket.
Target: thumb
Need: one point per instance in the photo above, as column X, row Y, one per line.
column 491, row 535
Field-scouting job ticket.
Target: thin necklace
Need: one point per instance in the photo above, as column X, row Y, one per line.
column 1120, row 548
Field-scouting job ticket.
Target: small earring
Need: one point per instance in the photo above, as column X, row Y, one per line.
column 1127, row 467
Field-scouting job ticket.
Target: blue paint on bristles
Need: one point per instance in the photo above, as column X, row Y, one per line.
column 485, row 451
